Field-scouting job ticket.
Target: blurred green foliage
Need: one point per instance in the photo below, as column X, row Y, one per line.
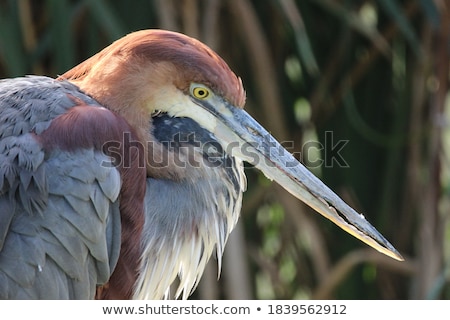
column 374, row 73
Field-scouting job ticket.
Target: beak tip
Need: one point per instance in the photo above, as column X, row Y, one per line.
column 396, row 255
column 389, row 250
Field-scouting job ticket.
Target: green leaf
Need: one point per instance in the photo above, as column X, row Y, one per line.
column 62, row 43
column 107, row 18
column 12, row 54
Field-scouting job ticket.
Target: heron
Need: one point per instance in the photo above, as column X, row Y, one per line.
column 125, row 173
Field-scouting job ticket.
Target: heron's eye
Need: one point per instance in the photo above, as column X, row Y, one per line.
column 200, row 92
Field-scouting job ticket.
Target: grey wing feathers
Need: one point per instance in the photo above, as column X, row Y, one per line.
column 73, row 245
column 31, row 103
column 59, row 212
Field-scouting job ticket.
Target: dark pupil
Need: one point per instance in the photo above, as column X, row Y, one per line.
column 201, row 92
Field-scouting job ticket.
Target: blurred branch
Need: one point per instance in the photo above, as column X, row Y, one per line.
column 438, row 286
column 431, row 226
column 416, row 192
column 431, row 10
column 395, row 11
column 356, row 23
column 107, row 18
column 304, row 224
column 166, row 14
column 12, row 57
column 335, row 59
column 26, row 21
column 292, row 13
column 208, row 288
column 235, row 259
column 267, row 265
column 28, row 31
column 264, row 75
column 361, row 67
column 343, row 268
column 253, row 199
column 189, row 13
column 210, row 20
column 62, row 43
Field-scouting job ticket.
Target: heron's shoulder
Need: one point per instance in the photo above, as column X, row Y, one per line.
column 39, row 117
column 31, row 103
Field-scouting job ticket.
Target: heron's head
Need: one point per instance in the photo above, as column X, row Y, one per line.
column 154, row 72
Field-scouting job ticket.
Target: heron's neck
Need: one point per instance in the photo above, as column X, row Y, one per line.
column 185, row 223
column 190, row 215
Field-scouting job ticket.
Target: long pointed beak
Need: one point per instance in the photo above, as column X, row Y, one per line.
column 246, row 139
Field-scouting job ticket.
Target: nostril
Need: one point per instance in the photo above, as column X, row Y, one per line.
column 253, row 131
